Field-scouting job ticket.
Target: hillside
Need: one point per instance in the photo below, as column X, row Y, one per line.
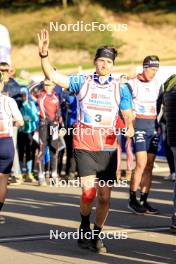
column 151, row 32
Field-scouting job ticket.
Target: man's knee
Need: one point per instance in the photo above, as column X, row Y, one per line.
column 4, row 176
column 89, row 195
column 140, row 165
column 103, row 198
column 148, row 169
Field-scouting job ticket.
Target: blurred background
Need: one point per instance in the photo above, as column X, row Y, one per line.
column 151, row 29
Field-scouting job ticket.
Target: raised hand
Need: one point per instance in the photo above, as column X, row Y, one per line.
column 43, row 41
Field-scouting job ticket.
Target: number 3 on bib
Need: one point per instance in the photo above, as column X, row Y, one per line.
column 98, row 118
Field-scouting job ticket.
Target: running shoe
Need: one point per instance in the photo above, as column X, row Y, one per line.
column 173, row 225
column 149, row 209
column 98, row 246
column 30, row 178
column 84, row 242
column 171, row 177
column 71, row 176
column 15, row 181
column 136, row 208
column 42, row 183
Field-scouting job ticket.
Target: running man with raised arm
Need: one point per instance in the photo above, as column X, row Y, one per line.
column 99, row 98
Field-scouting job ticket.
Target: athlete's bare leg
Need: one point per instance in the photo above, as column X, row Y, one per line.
column 89, row 185
column 3, row 186
column 3, row 192
column 147, row 175
column 102, row 207
column 141, row 161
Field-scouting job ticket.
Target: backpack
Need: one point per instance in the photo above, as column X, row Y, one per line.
column 170, row 83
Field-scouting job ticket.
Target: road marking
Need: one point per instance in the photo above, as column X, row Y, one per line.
column 23, row 238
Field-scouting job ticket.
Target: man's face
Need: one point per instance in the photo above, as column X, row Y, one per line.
column 124, row 79
column 6, row 72
column 150, row 72
column 103, row 66
column 48, row 86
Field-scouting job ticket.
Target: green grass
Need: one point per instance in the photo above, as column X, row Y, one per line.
column 86, row 66
column 158, row 18
column 25, row 23
column 24, row 26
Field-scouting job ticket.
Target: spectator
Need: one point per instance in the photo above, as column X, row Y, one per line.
column 12, row 88
column 169, row 113
column 25, row 135
column 49, row 119
column 9, row 113
column 69, row 111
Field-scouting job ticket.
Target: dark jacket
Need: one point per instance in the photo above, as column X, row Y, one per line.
column 13, row 90
column 169, row 100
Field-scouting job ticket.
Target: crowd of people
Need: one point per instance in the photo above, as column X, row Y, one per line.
column 96, row 107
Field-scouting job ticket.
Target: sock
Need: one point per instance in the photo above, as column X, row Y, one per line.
column 1, row 205
column 85, row 222
column 143, row 198
column 132, row 196
column 96, row 232
column 29, row 166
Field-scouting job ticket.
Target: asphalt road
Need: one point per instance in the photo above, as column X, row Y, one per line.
column 34, row 213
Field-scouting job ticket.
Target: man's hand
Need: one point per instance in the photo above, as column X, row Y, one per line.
column 49, row 72
column 130, row 132
column 43, row 42
column 19, row 123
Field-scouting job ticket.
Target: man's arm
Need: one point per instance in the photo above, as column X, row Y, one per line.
column 50, row 73
column 16, row 114
column 128, row 117
column 126, row 109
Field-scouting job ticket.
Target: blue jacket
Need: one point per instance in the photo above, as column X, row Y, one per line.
column 30, row 115
column 13, row 90
column 69, row 109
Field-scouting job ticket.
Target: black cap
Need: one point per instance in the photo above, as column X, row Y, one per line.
column 106, row 52
column 151, row 61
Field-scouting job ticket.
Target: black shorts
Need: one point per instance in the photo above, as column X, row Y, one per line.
column 146, row 141
column 103, row 164
column 46, row 136
column 6, row 155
